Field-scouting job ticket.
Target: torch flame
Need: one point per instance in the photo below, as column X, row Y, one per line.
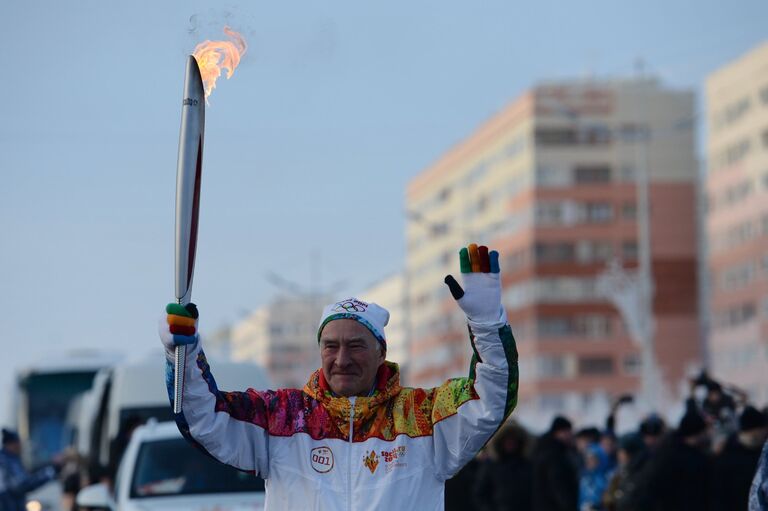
column 213, row 56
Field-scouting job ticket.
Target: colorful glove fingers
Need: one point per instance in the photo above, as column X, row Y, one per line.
column 480, row 298
column 182, row 321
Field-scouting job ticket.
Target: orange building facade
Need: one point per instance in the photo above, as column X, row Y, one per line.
column 550, row 182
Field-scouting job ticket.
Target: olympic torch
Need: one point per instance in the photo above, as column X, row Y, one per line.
column 188, row 173
column 203, row 69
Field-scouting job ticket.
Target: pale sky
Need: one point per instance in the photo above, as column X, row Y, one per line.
column 308, row 148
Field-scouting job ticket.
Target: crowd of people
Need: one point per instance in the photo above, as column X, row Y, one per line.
column 710, row 460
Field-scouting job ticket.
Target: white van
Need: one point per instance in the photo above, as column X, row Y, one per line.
column 135, row 392
column 160, row 470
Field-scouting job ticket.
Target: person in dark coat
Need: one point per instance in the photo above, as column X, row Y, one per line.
column 458, row 489
column 678, row 475
column 15, row 481
column 633, row 454
column 735, row 466
column 505, row 483
column 652, row 431
column 555, row 469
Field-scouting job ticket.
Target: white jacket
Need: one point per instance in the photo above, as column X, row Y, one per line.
column 394, row 452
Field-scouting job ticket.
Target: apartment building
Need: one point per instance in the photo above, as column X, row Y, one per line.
column 551, row 182
column 737, row 221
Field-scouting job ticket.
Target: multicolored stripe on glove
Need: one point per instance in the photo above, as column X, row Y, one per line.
column 182, row 320
column 473, row 259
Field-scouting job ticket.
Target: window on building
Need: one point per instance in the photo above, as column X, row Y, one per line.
column 515, row 147
column 550, row 366
column 736, row 316
column 439, row 229
column 732, row 112
column 599, row 212
column 633, row 132
column 737, row 276
column 548, row 176
column 765, row 138
column 587, row 325
column 596, row 134
column 629, row 250
column 555, row 252
column 592, row 325
column 482, row 203
column 549, row 213
column 555, row 136
column 593, row 251
column 554, row 327
column 631, row 364
column 595, row 365
column 733, row 154
column 627, row 173
column 516, row 260
column 592, row 174
column 565, row 289
column 764, row 95
column 629, row 211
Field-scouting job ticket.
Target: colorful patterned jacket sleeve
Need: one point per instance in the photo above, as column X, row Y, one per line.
column 230, row 426
column 468, row 411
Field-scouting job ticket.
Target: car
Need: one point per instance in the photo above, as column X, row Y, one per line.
column 160, row 470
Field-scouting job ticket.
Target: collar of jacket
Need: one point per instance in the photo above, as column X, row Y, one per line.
column 366, row 407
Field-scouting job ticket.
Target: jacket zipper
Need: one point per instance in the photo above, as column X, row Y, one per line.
column 349, row 457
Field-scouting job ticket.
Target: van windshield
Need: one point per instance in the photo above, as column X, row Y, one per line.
column 174, row 467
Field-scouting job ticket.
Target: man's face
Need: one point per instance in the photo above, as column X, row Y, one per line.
column 565, row 436
column 351, row 356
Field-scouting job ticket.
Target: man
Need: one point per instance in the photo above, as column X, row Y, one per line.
column 352, row 438
column 678, row 475
column 505, row 482
column 735, row 466
column 15, row 481
column 556, row 469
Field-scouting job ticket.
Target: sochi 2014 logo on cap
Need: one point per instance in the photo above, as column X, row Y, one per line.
column 321, row 459
column 350, row 305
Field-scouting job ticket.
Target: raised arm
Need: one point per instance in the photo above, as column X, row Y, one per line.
column 468, row 411
column 230, row 426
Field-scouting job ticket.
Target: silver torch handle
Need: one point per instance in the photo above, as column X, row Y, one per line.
column 188, row 173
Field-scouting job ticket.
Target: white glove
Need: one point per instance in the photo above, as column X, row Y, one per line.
column 179, row 326
column 480, row 298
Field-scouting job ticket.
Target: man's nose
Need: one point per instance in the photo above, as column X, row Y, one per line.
column 342, row 358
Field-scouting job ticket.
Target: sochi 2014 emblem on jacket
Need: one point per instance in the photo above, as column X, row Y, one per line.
column 371, row 460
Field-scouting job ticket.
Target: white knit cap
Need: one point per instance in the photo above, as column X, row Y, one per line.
column 373, row 316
